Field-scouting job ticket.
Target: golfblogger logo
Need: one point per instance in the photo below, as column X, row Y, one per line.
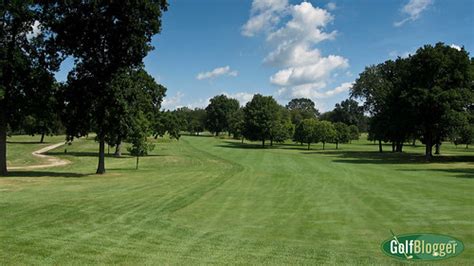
column 422, row 246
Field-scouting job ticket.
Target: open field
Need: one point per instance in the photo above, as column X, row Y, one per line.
column 208, row 200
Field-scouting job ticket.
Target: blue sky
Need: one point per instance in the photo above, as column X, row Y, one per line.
column 291, row 49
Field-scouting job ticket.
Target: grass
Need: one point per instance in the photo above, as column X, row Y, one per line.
column 207, row 200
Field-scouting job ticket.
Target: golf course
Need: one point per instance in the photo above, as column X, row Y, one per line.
column 211, row 200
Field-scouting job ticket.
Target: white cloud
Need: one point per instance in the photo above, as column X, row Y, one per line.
column 331, row 6
column 220, row 71
column 413, row 9
column 457, row 47
column 242, row 97
column 309, row 74
column 264, row 15
column 172, row 102
column 303, row 70
column 313, row 91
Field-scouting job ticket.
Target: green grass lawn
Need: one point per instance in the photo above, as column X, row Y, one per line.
column 207, row 200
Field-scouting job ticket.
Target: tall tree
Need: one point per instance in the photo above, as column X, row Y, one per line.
column 301, row 108
column 22, row 54
column 103, row 37
column 440, row 88
column 261, row 116
column 218, row 113
column 353, row 133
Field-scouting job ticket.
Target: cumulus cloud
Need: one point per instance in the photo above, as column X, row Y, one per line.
column 303, row 70
column 413, row 10
column 172, row 102
column 313, row 91
column 264, row 15
column 220, row 71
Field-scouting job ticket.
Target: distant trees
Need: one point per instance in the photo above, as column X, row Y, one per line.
column 305, row 131
column 343, row 134
column 218, row 113
column 300, row 109
column 324, row 132
column 353, row 133
column 236, row 124
column 348, row 112
column 423, row 96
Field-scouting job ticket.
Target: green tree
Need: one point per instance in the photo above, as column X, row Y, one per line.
column 218, row 113
column 301, row 108
column 236, row 124
column 261, row 115
column 167, row 122
column 136, row 92
column 305, row 132
column 283, row 128
column 353, row 133
column 138, row 138
column 104, row 37
column 23, row 55
column 343, row 134
column 324, row 132
column 440, row 88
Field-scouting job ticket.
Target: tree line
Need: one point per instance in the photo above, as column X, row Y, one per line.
column 428, row 96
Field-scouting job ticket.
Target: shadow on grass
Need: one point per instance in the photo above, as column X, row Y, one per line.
column 43, row 174
column 374, row 157
column 26, row 142
column 95, row 154
column 239, row 145
column 458, row 172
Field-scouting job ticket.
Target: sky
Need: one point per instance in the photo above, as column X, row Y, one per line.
column 291, row 49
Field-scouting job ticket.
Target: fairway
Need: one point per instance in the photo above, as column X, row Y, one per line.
column 209, row 200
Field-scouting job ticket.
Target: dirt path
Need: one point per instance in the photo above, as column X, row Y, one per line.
column 51, row 161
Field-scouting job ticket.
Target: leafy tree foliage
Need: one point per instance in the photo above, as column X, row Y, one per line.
column 324, row 132
column 261, row 116
column 305, row 132
column 424, row 96
column 24, row 57
column 104, row 37
column 218, row 113
column 167, row 122
column 301, row 108
column 138, row 138
column 353, row 133
column 343, row 133
column 236, row 124
column 348, row 112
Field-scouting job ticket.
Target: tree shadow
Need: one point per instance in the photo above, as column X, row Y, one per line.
column 374, row 157
column 458, row 172
column 26, row 142
column 44, row 174
column 239, row 145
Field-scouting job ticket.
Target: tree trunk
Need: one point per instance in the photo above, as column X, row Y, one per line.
column 393, row 146
column 263, row 143
column 337, row 145
column 309, row 145
column 324, row 143
column 467, row 146
column 136, row 167
column 101, row 166
column 271, row 142
column 217, row 134
column 414, row 142
column 380, row 146
column 3, row 141
column 42, row 138
column 437, row 148
column 118, row 149
column 428, row 149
